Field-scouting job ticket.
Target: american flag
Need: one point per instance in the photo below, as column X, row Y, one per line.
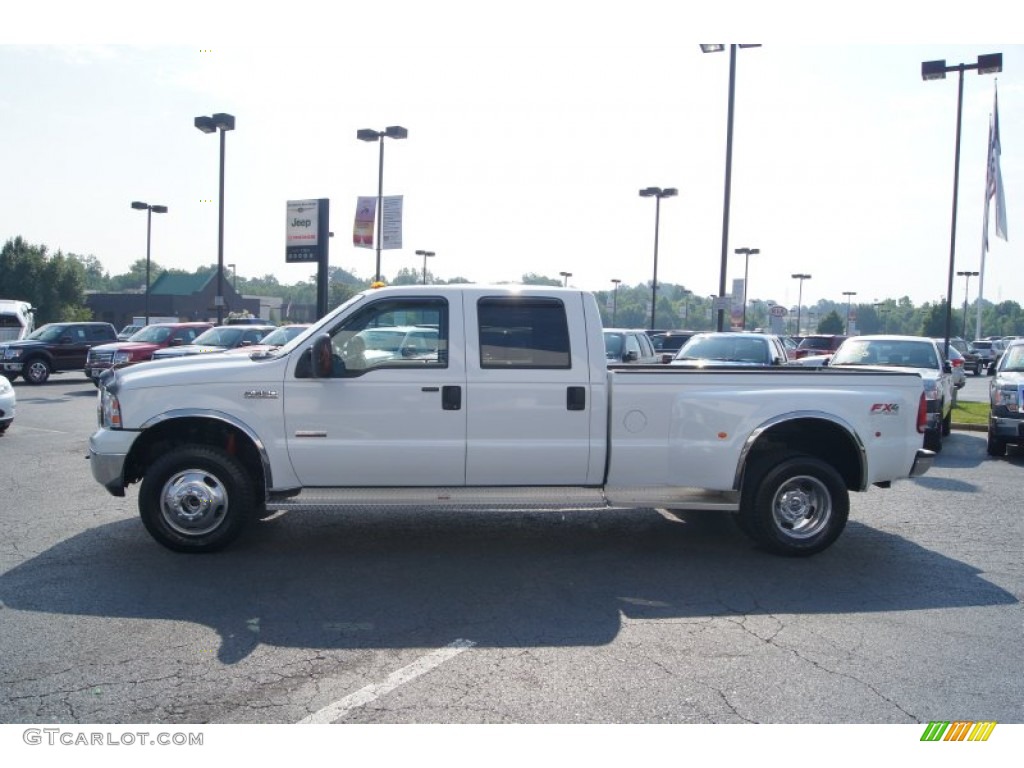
column 994, row 177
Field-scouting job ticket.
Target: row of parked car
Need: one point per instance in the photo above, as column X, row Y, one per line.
column 941, row 374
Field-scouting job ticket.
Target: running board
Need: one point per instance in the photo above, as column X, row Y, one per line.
column 536, row 498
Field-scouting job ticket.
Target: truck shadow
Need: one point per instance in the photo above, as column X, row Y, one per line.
column 371, row 579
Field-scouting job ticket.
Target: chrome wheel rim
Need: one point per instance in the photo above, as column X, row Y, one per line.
column 193, row 502
column 36, row 371
column 802, row 507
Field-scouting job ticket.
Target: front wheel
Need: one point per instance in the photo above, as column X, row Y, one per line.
column 996, row 446
column 196, row 499
column 36, row 371
column 795, row 506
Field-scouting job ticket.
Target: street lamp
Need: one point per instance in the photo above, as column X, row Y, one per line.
column 368, row 134
column 800, row 300
column 615, row 299
column 150, row 210
column 225, row 123
column 849, row 297
column 234, row 277
column 426, row 255
column 936, row 70
column 565, row 278
column 657, row 193
column 967, row 283
column 715, row 48
column 746, row 269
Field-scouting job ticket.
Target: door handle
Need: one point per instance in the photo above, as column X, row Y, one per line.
column 451, row 397
column 576, row 399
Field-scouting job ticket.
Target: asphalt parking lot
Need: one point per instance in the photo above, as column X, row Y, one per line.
column 512, row 617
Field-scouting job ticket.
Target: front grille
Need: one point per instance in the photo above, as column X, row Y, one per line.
column 96, row 358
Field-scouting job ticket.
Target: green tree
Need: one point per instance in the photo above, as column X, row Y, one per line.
column 532, row 278
column 53, row 284
column 831, row 323
column 933, row 323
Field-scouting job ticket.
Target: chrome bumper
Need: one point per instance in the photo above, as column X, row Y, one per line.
column 923, row 461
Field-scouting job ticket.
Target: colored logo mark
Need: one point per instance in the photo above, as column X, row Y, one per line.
column 959, row 730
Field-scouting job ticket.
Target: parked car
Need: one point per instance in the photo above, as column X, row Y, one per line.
column 8, row 401
column 1006, row 401
column 956, row 363
column 707, row 350
column 964, row 348
column 52, row 348
column 218, row 339
column 908, row 352
column 629, row 345
column 140, row 347
column 128, row 331
column 276, row 338
column 667, row 343
column 818, row 344
column 988, row 352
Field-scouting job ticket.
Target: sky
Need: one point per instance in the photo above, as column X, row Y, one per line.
column 532, row 128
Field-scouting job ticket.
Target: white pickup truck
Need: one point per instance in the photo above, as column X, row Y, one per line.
column 514, row 406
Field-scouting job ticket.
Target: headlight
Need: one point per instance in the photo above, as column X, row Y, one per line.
column 121, row 357
column 1007, row 398
column 12, row 354
column 109, row 411
column 5, row 385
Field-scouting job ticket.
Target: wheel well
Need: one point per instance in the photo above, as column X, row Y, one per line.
column 161, row 438
column 820, row 438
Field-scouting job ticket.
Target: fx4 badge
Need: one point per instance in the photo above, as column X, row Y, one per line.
column 885, row 409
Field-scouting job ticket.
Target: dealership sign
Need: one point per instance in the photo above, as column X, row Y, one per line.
column 303, row 238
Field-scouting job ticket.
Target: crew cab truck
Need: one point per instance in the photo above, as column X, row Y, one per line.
column 516, row 407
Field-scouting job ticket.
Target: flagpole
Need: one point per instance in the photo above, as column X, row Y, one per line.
column 981, row 270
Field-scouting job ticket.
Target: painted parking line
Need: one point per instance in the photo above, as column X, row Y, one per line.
column 362, row 697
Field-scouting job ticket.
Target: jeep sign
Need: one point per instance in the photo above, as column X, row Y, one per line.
column 301, row 232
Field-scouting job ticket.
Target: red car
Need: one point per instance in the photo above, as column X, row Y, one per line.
column 140, row 346
column 818, row 344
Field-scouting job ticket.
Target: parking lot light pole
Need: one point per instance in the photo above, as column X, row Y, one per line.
column 657, row 193
column 936, row 70
column 223, row 122
column 426, row 255
column 565, row 278
column 368, row 134
column 615, row 299
column 800, row 298
column 150, row 210
column 967, row 284
column 716, row 48
column 747, row 252
column 849, row 297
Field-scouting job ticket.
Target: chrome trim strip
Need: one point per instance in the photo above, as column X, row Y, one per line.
column 792, row 416
column 201, row 413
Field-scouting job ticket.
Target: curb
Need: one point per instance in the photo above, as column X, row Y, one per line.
column 970, row 427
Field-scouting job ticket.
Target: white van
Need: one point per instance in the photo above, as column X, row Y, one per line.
column 17, row 319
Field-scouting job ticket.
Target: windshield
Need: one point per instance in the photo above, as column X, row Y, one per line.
column 48, row 333
column 1013, row 360
column 282, row 335
column 889, row 352
column 154, row 334
column 731, row 349
column 221, row 337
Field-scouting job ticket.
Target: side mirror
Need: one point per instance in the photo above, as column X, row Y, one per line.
column 175, row 342
column 64, row 340
column 631, row 357
column 322, row 357
column 947, row 367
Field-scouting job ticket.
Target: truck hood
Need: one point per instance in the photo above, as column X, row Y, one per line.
column 134, row 346
column 199, row 370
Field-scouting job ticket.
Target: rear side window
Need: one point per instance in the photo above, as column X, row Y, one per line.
column 523, row 332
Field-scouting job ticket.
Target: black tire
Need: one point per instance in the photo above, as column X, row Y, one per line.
column 36, row 370
column 933, row 440
column 794, row 505
column 996, row 446
column 196, row 499
column 947, row 424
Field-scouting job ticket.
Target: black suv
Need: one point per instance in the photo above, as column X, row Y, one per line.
column 53, row 348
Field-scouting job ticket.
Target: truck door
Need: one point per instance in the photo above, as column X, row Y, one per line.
column 528, row 392
column 385, row 417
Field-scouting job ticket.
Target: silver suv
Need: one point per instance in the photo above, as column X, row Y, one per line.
column 988, row 352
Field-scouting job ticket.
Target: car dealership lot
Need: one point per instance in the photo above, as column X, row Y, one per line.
column 621, row 616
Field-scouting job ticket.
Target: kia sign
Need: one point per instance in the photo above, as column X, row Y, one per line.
column 302, row 231
column 778, row 311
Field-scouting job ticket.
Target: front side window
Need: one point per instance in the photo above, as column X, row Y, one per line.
column 523, row 332
column 393, row 333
